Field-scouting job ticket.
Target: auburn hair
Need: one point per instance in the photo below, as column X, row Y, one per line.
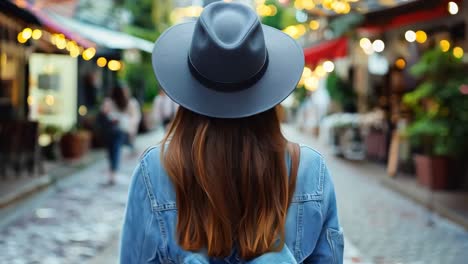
column 231, row 182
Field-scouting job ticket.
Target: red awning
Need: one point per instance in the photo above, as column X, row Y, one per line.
column 330, row 50
column 409, row 18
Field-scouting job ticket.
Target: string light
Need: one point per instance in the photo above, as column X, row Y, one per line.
column 308, row 4
column 365, row 43
column 320, row 71
column 327, row 4
column 453, row 8
column 61, row 42
column 70, row 45
column 36, row 34
column 378, row 45
column 410, row 36
column 329, row 66
column 82, row 110
column 89, row 53
column 266, row 10
column 114, row 65
column 295, row 31
column 458, row 52
column 75, row 52
column 101, row 62
column 307, row 72
column 444, row 45
column 44, row 140
column 400, row 63
column 27, row 33
column 421, row 36
column 314, row 24
column 20, row 38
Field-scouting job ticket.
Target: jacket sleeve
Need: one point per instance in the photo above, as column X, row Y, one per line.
column 329, row 248
column 138, row 217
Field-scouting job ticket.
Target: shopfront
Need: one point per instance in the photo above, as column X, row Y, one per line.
column 13, row 68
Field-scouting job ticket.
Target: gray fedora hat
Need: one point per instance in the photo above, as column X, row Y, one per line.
column 227, row 64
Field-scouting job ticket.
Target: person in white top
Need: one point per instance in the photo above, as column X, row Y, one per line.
column 120, row 119
column 164, row 109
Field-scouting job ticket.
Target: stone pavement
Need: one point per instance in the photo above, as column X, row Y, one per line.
column 79, row 221
column 75, row 220
column 383, row 225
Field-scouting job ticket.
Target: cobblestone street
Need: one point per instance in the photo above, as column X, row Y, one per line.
column 75, row 221
column 383, row 225
column 79, row 220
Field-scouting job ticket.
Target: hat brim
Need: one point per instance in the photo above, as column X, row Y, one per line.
column 170, row 65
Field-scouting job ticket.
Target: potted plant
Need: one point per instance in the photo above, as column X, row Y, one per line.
column 440, row 125
column 75, row 143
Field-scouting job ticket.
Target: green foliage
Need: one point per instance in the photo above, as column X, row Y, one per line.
column 145, row 25
column 340, row 91
column 148, row 34
column 437, row 65
column 300, row 94
column 141, row 11
column 285, row 16
column 440, row 126
column 140, row 76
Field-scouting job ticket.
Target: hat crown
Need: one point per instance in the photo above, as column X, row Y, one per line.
column 228, row 45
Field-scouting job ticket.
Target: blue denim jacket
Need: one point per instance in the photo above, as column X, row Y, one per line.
column 313, row 234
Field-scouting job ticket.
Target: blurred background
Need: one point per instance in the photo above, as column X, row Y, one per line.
column 383, row 96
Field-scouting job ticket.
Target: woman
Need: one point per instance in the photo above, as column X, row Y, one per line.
column 224, row 187
column 119, row 119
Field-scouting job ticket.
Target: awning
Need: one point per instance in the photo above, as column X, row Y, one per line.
column 104, row 37
column 329, row 50
column 45, row 21
column 387, row 20
column 87, row 35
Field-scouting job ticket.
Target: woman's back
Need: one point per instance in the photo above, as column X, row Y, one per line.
column 312, row 230
column 217, row 190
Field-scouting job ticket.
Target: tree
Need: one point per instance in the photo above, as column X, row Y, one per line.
column 150, row 19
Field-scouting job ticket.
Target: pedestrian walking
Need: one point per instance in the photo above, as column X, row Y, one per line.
column 164, row 109
column 224, row 185
column 134, row 113
column 118, row 118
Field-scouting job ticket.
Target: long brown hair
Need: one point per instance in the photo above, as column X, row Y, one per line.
column 231, row 182
column 120, row 97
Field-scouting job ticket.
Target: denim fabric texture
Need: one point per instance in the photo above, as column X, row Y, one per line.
column 313, row 233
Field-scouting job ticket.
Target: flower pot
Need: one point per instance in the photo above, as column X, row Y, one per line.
column 432, row 171
column 74, row 145
column 376, row 145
